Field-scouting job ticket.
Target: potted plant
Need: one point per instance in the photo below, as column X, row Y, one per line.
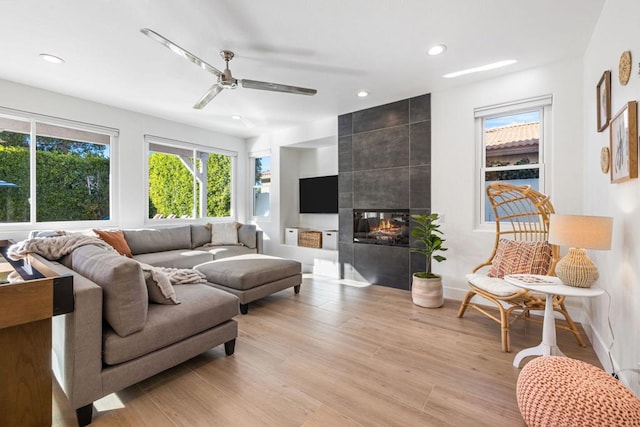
column 426, row 289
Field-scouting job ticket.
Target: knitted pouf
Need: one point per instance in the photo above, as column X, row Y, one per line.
column 559, row 391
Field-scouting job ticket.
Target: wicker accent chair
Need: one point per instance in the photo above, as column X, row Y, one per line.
column 522, row 215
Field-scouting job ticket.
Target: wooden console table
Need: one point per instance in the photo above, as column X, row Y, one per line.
column 26, row 308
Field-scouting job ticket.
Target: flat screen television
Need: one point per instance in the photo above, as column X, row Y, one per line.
column 319, row 195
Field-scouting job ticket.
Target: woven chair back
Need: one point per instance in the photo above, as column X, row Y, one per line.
column 522, row 214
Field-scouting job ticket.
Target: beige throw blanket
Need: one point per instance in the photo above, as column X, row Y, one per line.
column 53, row 248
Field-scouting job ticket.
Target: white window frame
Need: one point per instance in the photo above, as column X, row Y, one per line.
column 543, row 105
column 252, row 179
column 33, row 119
column 194, row 148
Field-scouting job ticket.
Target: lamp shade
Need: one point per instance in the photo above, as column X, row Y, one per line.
column 580, row 231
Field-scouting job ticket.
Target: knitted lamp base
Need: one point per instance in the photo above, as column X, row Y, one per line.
column 576, row 269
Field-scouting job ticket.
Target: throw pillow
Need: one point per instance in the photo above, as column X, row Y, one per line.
column 520, row 257
column 160, row 288
column 116, row 240
column 224, row 233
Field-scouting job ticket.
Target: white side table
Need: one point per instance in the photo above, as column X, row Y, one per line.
column 549, row 286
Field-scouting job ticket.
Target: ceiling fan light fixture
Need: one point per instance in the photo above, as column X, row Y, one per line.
column 487, row 67
column 437, row 49
column 225, row 78
column 362, row 94
column 51, row 58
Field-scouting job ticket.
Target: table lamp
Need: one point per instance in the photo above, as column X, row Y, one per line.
column 579, row 232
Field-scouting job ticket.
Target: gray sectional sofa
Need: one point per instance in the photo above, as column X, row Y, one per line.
column 116, row 337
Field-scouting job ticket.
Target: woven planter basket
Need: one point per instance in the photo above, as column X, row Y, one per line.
column 427, row 292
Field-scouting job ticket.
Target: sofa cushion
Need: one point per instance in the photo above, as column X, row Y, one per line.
column 247, row 235
column 200, row 235
column 219, row 252
column 116, row 240
column 164, row 239
column 249, row 271
column 202, row 307
column 180, row 258
column 224, row 233
column 125, row 298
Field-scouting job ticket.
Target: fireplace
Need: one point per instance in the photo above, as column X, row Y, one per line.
column 389, row 227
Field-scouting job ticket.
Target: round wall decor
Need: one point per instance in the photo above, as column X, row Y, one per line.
column 605, row 159
column 624, row 67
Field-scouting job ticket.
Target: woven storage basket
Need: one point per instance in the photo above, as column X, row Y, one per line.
column 310, row 239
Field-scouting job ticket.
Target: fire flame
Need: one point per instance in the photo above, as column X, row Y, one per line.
column 386, row 226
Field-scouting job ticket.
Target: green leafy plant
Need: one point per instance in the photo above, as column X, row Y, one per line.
column 427, row 232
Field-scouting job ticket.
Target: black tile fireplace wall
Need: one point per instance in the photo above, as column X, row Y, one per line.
column 384, row 162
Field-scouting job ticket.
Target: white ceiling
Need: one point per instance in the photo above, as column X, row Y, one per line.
column 335, row 46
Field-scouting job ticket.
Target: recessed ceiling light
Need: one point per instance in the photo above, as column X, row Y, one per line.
column 51, row 58
column 363, row 93
column 236, row 117
column 481, row 68
column 437, row 49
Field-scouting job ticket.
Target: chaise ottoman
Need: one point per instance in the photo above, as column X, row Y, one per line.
column 252, row 276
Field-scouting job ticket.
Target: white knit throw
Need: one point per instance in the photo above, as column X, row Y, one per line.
column 53, row 248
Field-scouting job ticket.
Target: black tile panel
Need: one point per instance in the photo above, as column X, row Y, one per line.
column 420, row 187
column 345, row 259
column 345, row 225
column 383, row 116
column 345, row 200
column 345, row 124
column 384, row 148
column 420, row 147
column 383, row 265
column 345, row 182
column 345, row 157
column 381, row 189
column 420, row 107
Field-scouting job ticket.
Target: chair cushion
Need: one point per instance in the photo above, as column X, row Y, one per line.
column 520, row 257
column 493, row 285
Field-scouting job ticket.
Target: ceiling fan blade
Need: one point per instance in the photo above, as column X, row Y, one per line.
column 275, row 87
column 207, row 97
column 180, row 51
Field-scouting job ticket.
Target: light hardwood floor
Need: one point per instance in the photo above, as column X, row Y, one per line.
column 339, row 355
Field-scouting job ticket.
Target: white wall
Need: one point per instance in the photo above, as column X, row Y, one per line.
column 454, row 169
column 616, row 31
column 305, row 151
column 130, row 155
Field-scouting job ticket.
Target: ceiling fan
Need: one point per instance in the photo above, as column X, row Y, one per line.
column 225, row 79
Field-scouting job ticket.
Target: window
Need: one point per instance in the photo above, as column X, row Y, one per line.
column 261, row 185
column 512, row 145
column 63, row 176
column 188, row 181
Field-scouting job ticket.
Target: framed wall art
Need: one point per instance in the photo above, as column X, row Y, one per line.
column 623, row 143
column 603, row 91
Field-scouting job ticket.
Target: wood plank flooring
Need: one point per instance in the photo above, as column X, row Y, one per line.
column 338, row 355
